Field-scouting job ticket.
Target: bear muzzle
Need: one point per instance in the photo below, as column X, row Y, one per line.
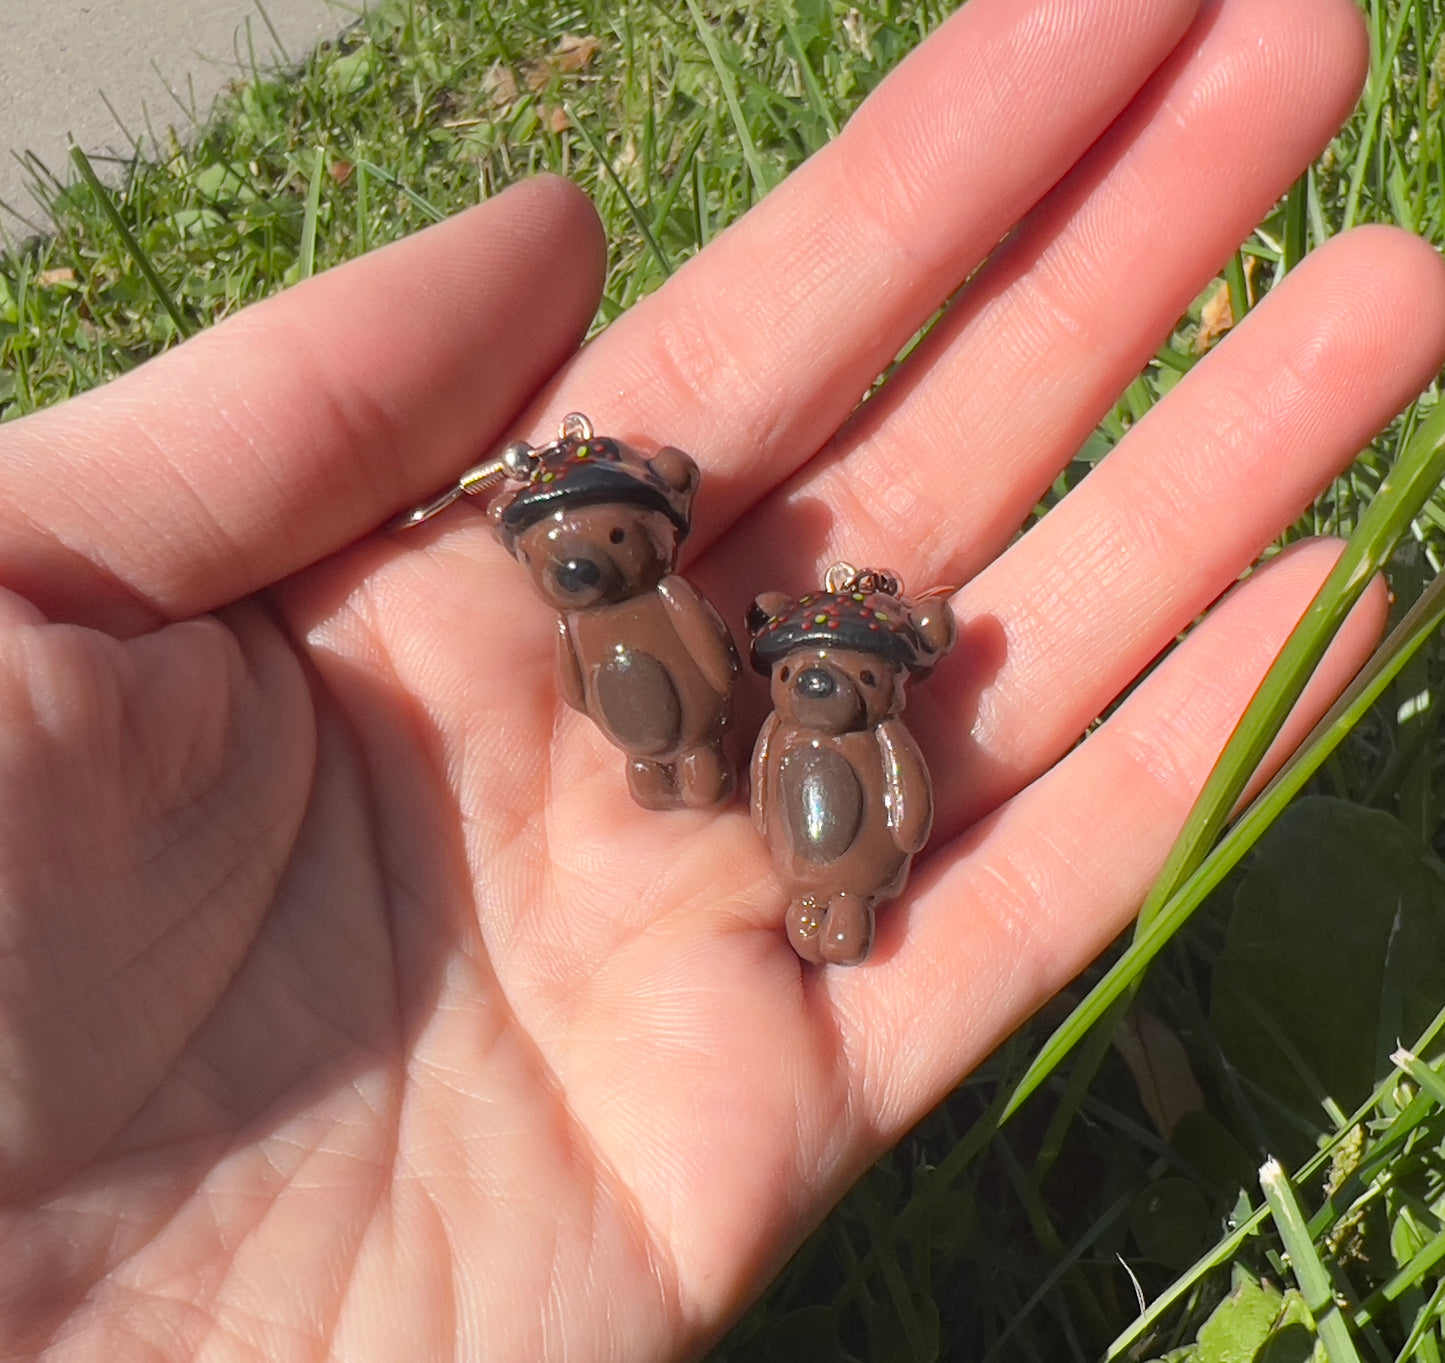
column 826, row 701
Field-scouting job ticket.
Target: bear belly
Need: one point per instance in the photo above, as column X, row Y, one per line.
column 824, row 802
column 638, row 702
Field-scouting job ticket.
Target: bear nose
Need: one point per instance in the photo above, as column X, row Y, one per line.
column 815, row 684
column 578, row 574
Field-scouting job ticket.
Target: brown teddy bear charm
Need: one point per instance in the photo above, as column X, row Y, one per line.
column 638, row 649
column 840, row 791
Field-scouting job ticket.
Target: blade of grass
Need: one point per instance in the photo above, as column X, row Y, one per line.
column 1296, row 222
column 1428, row 1314
column 1267, row 1027
column 1425, row 1077
column 1319, row 228
column 1377, row 89
column 1229, row 1246
column 1420, row 1264
column 275, row 36
column 1086, row 1065
column 1060, row 1270
column 681, row 176
column 730, row 95
column 1084, row 1304
column 410, row 195
column 306, row 263
column 644, row 230
column 1405, row 490
column 1238, row 284
column 363, row 208
column 504, row 50
column 22, row 359
column 16, row 213
column 816, row 99
column 142, row 260
column 1181, row 887
column 1310, row 1273
column 1389, row 1017
column 135, row 146
column 896, row 1283
column 699, row 204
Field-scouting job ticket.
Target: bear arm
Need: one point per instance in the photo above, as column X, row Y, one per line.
column 569, row 670
column 702, row 632
column 757, row 795
column 909, row 790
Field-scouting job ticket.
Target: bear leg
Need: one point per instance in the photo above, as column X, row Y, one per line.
column 653, row 784
column 847, row 931
column 704, row 778
column 805, row 929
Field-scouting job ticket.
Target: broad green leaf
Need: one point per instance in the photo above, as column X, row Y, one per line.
column 1298, row 987
column 1240, row 1324
column 1292, row 1340
column 808, row 1335
column 349, row 75
column 1214, row 1154
column 1171, row 1222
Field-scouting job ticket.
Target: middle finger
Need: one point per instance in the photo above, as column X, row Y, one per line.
column 755, row 351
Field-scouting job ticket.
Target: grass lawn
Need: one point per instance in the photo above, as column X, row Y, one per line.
column 974, row 1239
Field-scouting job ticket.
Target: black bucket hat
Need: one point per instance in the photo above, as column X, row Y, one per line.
column 589, row 472
column 863, row 616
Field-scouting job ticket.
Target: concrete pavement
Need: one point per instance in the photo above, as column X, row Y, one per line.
column 59, row 57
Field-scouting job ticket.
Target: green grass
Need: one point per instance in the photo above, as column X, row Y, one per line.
column 675, row 126
column 1001, row 1228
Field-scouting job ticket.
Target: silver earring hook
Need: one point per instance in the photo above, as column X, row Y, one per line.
column 476, row 480
column 517, row 463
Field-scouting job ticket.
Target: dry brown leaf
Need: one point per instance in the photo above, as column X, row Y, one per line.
column 574, row 51
column 1217, row 315
column 63, row 275
column 556, row 120
column 1215, row 318
column 340, row 171
column 501, row 83
column 1156, row 1059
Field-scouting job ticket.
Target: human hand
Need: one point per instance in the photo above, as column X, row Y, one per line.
column 348, row 1005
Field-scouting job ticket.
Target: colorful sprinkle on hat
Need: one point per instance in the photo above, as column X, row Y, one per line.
column 866, row 613
column 588, row 471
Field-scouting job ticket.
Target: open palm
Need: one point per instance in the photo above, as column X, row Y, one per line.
column 348, row 1006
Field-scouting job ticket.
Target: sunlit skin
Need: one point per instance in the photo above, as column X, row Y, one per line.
column 349, row 1007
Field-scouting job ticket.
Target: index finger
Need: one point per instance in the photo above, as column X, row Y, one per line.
column 290, row 429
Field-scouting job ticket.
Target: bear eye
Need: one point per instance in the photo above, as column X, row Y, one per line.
column 867, row 678
column 618, row 535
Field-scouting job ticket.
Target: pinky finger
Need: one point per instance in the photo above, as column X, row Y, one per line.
column 1005, row 915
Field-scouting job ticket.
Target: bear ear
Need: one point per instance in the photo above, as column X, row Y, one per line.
column 765, row 607
column 936, row 626
column 678, row 470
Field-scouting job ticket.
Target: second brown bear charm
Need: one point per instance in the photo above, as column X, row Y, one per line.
column 840, row 791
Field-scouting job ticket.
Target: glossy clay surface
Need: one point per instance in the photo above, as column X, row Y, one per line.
column 639, row 650
column 840, row 790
